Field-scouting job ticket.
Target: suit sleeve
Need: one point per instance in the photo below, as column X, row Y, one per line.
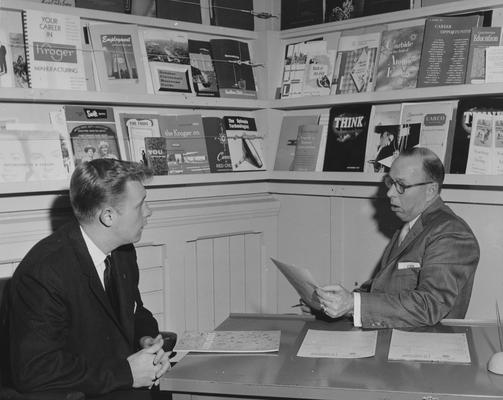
column 41, row 357
column 449, row 260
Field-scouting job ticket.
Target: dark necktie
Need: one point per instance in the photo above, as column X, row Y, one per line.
column 110, row 287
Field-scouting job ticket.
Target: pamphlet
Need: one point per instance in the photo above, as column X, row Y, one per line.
column 229, row 341
column 338, row 344
column 429, row 346
column 302, row 281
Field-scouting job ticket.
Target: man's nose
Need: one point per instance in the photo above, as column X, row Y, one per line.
column 391, row 192
column 148, row 210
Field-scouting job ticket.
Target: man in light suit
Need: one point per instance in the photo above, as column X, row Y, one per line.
column 70, row 328
column 427, row 269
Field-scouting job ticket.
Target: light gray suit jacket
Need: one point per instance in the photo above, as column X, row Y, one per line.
column 427, row 278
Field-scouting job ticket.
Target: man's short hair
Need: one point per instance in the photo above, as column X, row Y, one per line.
column 102, row 181
column 432, row 165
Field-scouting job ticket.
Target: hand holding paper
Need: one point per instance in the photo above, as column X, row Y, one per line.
column 302, row 281
column 335, row 300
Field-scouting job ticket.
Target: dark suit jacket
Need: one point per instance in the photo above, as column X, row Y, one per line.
column 427, row 278
column 63, row 331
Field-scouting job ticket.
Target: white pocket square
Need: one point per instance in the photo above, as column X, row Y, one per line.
column 408, row 265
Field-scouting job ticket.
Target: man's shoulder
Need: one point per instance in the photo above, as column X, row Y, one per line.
column 441, row 217
column 54, row 249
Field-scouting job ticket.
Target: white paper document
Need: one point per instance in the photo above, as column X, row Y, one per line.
column 338, row 344
column 429, row 346
column 302, row 281
column 229, row 341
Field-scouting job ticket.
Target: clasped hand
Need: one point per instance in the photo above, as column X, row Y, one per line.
column 150, row 363
column 335, row 300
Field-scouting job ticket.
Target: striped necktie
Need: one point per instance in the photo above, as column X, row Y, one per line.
column 403, row 232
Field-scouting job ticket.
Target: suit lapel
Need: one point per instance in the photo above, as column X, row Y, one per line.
column 391, row 248
column 393, row 251
column 126, row 320
column 89, row 271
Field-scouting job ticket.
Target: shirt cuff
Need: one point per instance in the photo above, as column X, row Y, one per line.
column 357, row 316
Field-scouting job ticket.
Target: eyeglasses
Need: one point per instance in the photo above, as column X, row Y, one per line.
column 400, row 187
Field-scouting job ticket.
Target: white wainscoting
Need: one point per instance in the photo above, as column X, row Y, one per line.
column 199, row 258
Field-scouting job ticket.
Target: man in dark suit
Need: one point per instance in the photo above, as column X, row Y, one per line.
column 77, row 319
column 427, row 269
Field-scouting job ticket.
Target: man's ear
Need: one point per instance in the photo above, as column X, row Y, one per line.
column 107, row 216
column 432, row 190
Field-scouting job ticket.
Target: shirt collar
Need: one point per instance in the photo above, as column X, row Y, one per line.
column 96, row 254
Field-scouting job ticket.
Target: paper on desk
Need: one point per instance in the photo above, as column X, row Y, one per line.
column 229, row 341
column 338, row 344
column 302, row 281
column 429, row 346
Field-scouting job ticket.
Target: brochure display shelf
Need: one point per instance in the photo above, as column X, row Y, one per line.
column 119, row 99
column 296, row 105
column 138, row 100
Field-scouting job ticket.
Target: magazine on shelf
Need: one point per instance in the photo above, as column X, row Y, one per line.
column 494, row 64
column 485, row 155
column 54, row 50
column 355, row 63
column 156, row 151
column 6, row 64
column 319, row 69
column 429, row 124
column 299, row 60
column 168, row 60
column 186, row 10
column 481, row 39
column 92, row 79
column 445, row 49
column 245, row 143
column 309, row 151
column 12, row 23
column 487, row 105
column 136, row 127
column 204, row 77
column 347, row 137
column 294, row 65
column 233, row 66
column 229, row 341
column 399, row 57
column 92, row 131
column 217, row 144
column 30, row 152
column 185, row 142
column 232, row 14
column 382, row 138
column 118, row 57
column 288, row 139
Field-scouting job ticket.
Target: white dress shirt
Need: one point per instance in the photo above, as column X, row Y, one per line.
column 97, row 256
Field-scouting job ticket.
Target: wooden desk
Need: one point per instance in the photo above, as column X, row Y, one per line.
column 284, row 375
